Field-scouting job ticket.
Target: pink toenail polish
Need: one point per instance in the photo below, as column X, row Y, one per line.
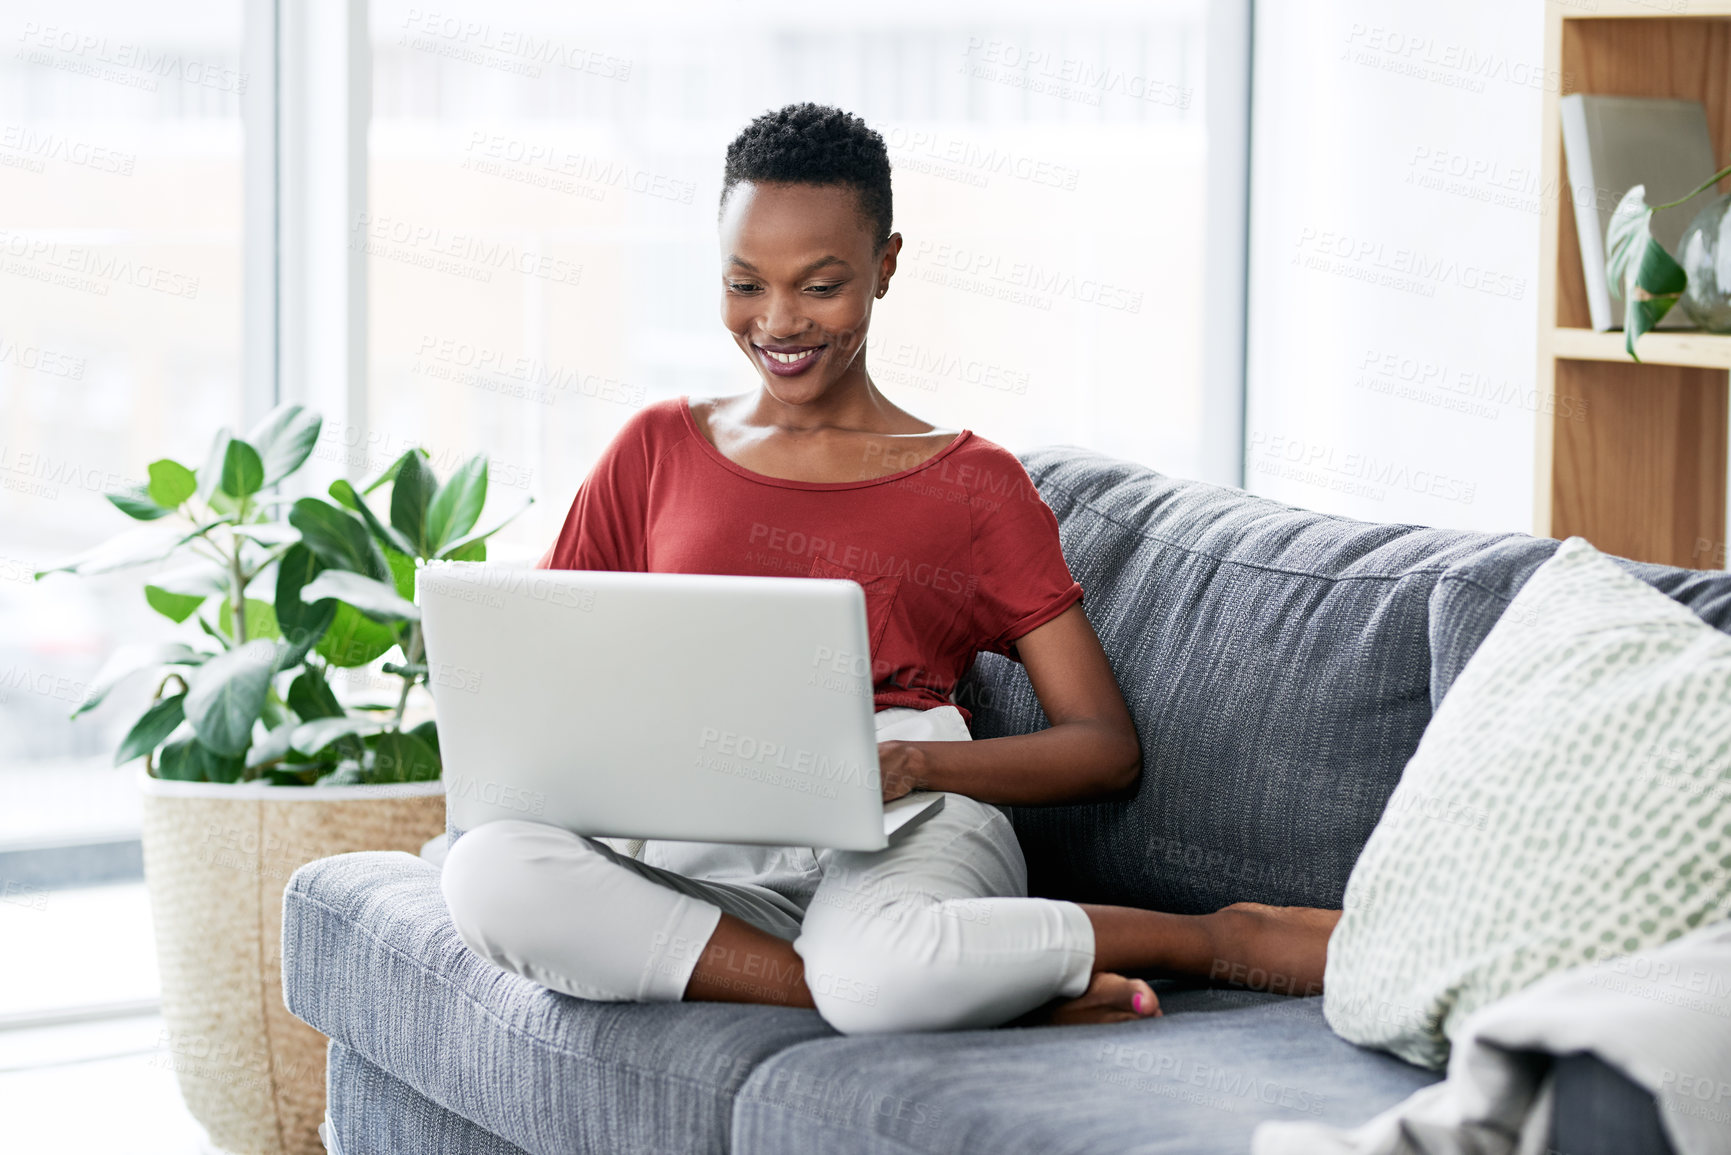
column 1136, row 1002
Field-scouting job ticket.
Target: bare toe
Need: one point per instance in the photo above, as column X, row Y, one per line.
column 1109, row 998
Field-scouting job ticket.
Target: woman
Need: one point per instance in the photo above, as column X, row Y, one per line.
column 816, row 473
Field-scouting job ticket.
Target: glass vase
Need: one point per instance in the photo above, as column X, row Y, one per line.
column 1705, row 254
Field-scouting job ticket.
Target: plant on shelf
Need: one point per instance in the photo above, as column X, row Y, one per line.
column 1651, row 280
column 251, row 699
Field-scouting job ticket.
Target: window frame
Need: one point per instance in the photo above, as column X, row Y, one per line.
column 306, row 193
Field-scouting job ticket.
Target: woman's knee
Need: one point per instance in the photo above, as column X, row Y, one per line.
column 489, row 880
column 865, row 981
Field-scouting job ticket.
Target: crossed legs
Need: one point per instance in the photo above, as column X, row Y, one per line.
column 1282, row 949
column 920, row 937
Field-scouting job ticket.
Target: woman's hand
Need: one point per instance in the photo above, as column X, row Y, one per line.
column 901, row 766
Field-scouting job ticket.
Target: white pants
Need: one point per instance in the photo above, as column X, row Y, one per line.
column 932, row 933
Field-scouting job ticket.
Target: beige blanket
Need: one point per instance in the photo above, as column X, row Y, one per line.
column 1663, row 1018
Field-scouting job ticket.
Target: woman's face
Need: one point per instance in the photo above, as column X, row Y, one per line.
column 799, row 273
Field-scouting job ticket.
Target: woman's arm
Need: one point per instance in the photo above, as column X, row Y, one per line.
column 1089, row 751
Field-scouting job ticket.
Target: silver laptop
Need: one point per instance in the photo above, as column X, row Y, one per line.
column 675, row 706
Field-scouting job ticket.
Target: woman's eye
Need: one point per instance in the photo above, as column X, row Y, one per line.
column 742, row 286
column 824, row 289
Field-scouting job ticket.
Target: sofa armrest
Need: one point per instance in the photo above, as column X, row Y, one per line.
column 370, row 957
column 1597, row 1110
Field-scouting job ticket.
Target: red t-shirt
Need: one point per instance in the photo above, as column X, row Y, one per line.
column 958, row 554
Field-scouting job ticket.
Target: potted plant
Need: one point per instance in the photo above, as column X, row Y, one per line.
column 1649, row 279
column 253, row 764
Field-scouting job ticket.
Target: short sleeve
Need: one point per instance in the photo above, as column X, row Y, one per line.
column 605, row 528
column 1023, row 579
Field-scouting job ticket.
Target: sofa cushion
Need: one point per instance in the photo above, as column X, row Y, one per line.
column 1277, row 664
column 371, row 959
column 1471, row 596
column 1189, row 1083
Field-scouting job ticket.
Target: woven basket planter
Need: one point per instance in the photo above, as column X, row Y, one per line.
column 216, row 859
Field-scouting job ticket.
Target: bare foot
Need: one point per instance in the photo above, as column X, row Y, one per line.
column 1109, row 999
column 1282, row 949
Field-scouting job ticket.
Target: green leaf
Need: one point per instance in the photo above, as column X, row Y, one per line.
column 411, row 494
column 456, row 550
column 457, row 505
column 353, row 639
column 302, row 625
column 428, row 732
column 378, row 600
column 171, row 483
column 215, row 634
column 473, row 551
column 210, row 473
column 130, row 660
column 189, row 760
column 268, row 532
column 285, row 438
column 402, row 573
column 200, row 579
column 276, row 711
column 400, row 757
column 1639, row 269
column 1625, row 232
column 1657, row 285
column 135, row 502
column 176, row 762
column 347, row 773
column 260, row 619
column 391, row 470
column 338, row 538
column 294, row 775
column 152, row 728
column 227, row 695
column 175, row 607
column 273, row 747
column 1642, row 317
column 310, row 697
column 385, row 535
column 242, row 470
column 311, row 737
column 134, row 547
column 203, row 530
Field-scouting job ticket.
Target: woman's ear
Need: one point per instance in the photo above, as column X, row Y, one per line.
column 887, row 265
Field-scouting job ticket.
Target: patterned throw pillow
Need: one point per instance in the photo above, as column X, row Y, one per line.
column 1569, row 802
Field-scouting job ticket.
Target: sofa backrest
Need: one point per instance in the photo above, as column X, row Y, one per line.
column 1280, row 666
column 1472, row 595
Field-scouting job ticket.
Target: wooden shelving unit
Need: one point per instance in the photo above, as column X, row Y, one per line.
column 1629, row 456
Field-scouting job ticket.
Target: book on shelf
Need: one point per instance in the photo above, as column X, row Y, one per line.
column 1613, row 143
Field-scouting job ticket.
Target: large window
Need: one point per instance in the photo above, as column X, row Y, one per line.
column 525, row 195
column 120, row 334
column 121, row 209
column 541, row 219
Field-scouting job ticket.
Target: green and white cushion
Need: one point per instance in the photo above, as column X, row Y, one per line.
column 1569, row 802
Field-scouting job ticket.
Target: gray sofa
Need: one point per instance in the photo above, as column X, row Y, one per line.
column 1281, row 666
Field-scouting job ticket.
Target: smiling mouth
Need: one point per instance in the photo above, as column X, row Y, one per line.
column 786, row 359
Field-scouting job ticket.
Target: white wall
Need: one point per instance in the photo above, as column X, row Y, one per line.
column 1395, row 213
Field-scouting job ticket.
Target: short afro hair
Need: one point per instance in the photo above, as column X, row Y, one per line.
column 814, row 144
